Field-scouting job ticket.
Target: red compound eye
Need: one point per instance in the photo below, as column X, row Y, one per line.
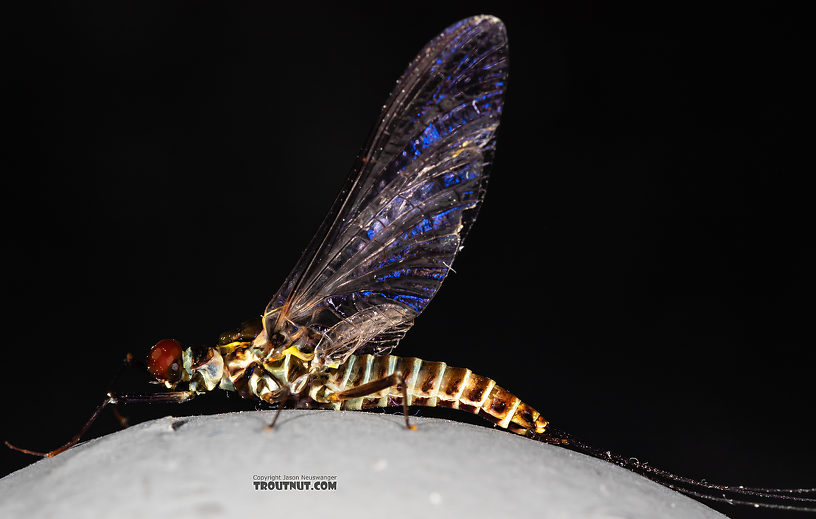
column 164, row 360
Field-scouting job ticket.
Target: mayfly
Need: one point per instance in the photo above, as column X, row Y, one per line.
column 377, row 260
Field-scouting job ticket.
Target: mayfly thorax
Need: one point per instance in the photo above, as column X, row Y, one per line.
column 378, row 258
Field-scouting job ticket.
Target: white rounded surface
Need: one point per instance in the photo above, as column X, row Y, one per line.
column 207, row 466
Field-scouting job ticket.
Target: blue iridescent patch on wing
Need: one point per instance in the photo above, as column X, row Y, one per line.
column 392, row 235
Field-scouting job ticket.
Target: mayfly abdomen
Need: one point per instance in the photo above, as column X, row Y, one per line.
column 429, row 384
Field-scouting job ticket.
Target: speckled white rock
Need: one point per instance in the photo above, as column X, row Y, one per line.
column 206, row 466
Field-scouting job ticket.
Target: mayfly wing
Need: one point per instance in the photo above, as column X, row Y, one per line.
column 393, row 232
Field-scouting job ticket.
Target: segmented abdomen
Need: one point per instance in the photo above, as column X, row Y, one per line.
column 431, row 384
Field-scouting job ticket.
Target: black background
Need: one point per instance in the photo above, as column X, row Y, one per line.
column 637, row 273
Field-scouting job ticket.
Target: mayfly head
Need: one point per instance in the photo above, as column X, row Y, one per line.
column 164, row 362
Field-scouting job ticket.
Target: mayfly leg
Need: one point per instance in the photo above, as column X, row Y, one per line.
column 396, row 379
column 127, row 362
column 177, row 397
column 375, row 386
column 281, row 400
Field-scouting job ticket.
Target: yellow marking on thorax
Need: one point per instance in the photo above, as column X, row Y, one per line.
column 226, row 349
column 295, row 352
